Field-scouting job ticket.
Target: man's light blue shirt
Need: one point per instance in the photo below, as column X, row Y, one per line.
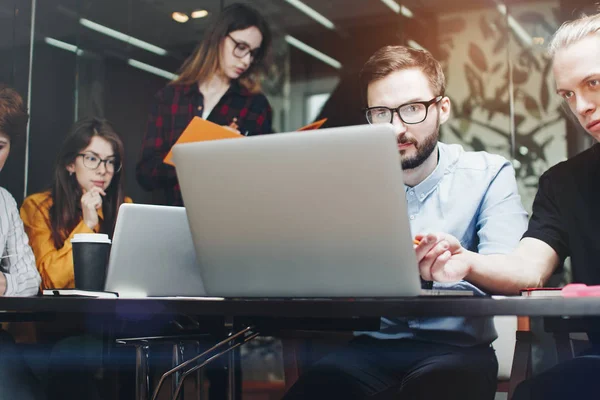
column 472, row 196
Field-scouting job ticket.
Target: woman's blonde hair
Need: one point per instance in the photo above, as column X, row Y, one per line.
column 573, row 31
column 204, row 61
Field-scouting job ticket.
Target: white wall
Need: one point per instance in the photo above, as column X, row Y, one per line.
column 299, row 92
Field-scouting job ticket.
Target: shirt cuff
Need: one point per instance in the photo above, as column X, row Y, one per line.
column 9, row 285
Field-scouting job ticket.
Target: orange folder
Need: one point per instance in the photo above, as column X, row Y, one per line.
column 200, row 130
column 314, row 125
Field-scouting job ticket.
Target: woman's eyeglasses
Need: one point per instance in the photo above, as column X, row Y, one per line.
column 242, row 49
column 92, row 161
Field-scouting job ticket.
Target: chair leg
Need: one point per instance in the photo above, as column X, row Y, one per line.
column 199, row 377
column 291, row 369
column 521, row 367
column 564, row 349
column 177, row 358
column 234, row 372
column 142, row 378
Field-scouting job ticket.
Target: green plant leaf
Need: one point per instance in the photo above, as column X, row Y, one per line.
column 519, row 119
column 474, row 82
column 520, row 76
column 467, row 108
column 502, row 39
column 477, row 144
column 527, row 59
column 502, row 90
column 484, row 25
column 477, row 57
column 495, row 105
column 497, row 67
column 452, row 25
column 457, row 132
column 545, row 90
column 532, row 107
column 500, row 44
column 464, row 125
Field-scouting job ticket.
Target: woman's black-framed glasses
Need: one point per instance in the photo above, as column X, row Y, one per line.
column 242, row 49
column 409, row 113
column 92, row 161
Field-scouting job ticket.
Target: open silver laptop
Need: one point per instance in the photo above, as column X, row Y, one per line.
column 153, row 254
column 302, row 214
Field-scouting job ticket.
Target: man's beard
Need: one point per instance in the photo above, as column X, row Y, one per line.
column 424, row 149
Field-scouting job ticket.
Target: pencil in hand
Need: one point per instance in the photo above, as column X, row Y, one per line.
column 424, row 284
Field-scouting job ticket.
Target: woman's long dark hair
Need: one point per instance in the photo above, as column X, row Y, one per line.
column 204, row 61
column 66, row 211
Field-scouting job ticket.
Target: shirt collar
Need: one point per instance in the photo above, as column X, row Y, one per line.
column 191, row 90
column 429, row 184
column 235, row 87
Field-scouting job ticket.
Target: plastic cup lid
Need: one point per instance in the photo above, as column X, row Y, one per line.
column 91, row 238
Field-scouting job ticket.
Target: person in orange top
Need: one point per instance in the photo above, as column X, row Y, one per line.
column 85, row 196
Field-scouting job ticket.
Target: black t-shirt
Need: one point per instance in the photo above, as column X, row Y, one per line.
column 566, row 213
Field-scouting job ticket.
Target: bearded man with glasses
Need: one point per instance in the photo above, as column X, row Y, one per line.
column 474, row 196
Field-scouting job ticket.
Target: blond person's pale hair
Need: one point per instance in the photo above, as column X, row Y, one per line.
column 573, row 31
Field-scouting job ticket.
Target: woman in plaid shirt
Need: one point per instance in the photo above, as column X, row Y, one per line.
column 219, row 82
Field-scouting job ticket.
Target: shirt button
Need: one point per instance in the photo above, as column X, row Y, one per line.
column 411, row 192
column 412, row 217
column 422, row 196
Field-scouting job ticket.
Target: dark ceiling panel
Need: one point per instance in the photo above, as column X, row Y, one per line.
column 150, row 20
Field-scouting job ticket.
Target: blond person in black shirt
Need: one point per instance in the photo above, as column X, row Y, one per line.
column 566, row 214
column 565, row 220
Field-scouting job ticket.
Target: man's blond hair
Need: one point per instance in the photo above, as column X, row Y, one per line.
column 573, row 31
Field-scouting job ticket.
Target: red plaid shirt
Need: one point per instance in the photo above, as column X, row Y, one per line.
column 173, row 109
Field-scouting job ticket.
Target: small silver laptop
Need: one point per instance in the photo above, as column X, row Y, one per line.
column 152, row 253
column 302, row 214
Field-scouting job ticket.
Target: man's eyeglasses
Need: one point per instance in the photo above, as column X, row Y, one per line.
column 92, row 161
column 242, row 49
column 410, row 113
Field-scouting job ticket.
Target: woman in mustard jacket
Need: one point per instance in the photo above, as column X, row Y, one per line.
column 85, row 196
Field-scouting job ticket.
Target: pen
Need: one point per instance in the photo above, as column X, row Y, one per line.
column 424, row 284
